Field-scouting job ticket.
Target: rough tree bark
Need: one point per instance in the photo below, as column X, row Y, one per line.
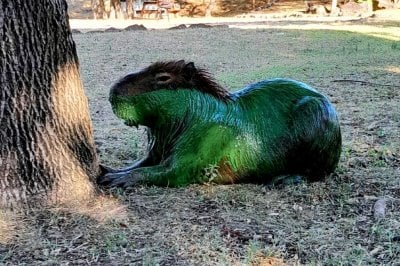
column 210, row 8
column 112, row 9
column 47, row 151
column 116, row 4
column 98, row 9
column 129, row 9
column 104, row 9
column 334, row 9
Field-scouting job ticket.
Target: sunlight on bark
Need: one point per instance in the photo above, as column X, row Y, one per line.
column 70, row 103
column 75, row 190
column 71, row 109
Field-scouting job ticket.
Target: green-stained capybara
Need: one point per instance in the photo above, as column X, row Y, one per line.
column 200, row 132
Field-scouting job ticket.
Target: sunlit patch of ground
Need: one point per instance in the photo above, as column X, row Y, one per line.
column 389, row 32
column 104, row 209
column 8, row 226
column 393, row 69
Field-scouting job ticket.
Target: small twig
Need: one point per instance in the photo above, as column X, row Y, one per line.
column 365, row 82
column 71, row 249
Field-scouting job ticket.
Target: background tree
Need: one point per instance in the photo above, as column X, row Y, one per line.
column 98, row 9
column 334, row 10
column 47, row 152
column 129, row 9
column 110, row 9
column 370, row 6
column 209, row 8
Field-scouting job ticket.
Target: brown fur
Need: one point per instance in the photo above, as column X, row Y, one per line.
column 188, row 75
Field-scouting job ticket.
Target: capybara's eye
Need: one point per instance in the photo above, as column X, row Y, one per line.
column 163, row 77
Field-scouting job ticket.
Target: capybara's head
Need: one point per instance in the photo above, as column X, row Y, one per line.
column 168, row 75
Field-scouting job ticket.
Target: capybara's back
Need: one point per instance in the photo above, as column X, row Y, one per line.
column 297, row 126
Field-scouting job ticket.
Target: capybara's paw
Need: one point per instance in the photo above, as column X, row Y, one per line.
column 122, row 179
column 105, row 170
column 112, row 179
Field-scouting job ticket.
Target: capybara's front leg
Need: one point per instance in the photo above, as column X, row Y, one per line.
column 108, row 173
column 120, row 179
column 157, row 174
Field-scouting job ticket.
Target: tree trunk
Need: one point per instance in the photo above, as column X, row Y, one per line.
column 210, row 7
column 47, row 151
column 98, row 9
column 370, row 5
column 129, row 9
column 117, row 8
column 334, row 9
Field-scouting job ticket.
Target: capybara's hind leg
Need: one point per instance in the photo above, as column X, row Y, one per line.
column 316, row 127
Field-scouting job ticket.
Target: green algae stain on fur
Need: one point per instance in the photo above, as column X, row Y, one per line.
column 199, row 132
column 125, row 109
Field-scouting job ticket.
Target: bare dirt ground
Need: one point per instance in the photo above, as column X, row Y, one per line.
column 334, row 222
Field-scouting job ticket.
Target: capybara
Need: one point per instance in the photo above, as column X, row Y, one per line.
column 200, row 132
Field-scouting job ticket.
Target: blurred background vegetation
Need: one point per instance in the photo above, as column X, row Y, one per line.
column 128, row 9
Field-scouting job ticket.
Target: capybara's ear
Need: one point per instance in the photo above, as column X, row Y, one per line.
column 190, row 65
column 190, row 69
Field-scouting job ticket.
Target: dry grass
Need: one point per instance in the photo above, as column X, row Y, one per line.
column 324, row 223
column 8, row 226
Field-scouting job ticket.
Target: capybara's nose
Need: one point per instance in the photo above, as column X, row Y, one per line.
column 122, row 86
